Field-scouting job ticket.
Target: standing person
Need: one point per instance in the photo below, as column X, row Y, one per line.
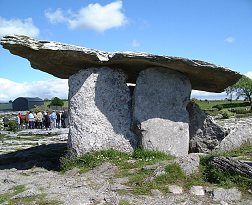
column 39, row 119
column 63, row 120
column 18, row 122
column 26, row 121
column 65, row 117
column 31, row 120
column 22, row 121
column 53, row 118
column 46, row 120
column 35, row 120
column 58, row 114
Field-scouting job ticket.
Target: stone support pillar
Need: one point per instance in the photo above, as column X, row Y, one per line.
column 99, row 111
column 160, row 117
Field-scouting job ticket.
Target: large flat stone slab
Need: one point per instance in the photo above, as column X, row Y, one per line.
column 160, row 117
column 100, row 111
column 62, row 60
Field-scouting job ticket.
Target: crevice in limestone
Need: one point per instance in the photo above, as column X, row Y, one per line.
column 136, row 129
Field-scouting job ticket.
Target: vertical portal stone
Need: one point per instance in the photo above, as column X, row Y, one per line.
column 99, row 111
column 160, row 116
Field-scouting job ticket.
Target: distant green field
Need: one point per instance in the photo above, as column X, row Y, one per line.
column 47, row 102
column 208, row 104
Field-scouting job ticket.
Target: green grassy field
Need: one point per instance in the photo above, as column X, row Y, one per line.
column 47, row 102
column 208, row 104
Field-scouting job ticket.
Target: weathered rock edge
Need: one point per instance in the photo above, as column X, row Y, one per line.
column 62, row 60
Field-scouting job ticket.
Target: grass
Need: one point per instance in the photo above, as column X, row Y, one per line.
column 238, row 108
column 48, row 102
column 143, row 180
column 40, row 199
column 244, row 151
column 223, row 178
column 91, row 160
column 2, row 137
column 208, row 104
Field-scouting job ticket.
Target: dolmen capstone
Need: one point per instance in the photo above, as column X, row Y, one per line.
column 105, row 112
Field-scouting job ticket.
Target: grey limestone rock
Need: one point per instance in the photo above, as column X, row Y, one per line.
column 100, row 111
column 27, row 193
column 63, row 60
column 240, row 132
column 205, row 134
column 229, row 195
column 189, row 163
column 197, row 190
column 175, row 189
column 160, row 118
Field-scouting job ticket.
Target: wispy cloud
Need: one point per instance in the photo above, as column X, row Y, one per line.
column 18, row 26
column 229, row 39
column 208, row 95
column 56, row 17
column 135, row 44
column 44, row 89
column 249, row 74
column 93, row 16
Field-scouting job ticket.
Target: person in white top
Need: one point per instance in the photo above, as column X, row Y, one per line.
column 31, row 120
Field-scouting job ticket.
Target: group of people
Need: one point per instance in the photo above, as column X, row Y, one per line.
column 40, row 120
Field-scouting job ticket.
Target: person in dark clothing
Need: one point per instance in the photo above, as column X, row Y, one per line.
column 46, row 120
column 58, row 120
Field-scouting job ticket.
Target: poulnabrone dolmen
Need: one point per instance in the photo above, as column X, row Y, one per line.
column 106, row 113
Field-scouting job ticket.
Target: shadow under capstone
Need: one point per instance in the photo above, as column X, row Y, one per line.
column 44, row 156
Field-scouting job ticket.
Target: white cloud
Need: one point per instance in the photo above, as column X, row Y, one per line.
column 93, row 16
column 56, row 16
column 229, row 39
column 43, row 89
column 135, row 44
column 207, row 95
column 249, row 74
column 18, row 26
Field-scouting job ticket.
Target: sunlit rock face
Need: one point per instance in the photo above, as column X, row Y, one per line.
column 160, row 116
column 100, row 111
column 63, row 60
column 102, row 115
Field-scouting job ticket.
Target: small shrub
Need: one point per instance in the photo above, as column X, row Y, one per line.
column 219, row 107
column 220, row 177
column 240, row 111
column 225, row 114
column 12, row 126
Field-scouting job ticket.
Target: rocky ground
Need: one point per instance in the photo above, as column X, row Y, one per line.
column 29, row 174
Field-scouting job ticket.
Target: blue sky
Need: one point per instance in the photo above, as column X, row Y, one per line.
column 219, row 32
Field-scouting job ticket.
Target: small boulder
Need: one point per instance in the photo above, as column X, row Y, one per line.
column 197, row 190
column 189, row 163
column 204, row 133
column 175, row 189
column 228, row 195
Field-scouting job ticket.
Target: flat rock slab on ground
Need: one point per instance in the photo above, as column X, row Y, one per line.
column 240, row 132
column 37, row 168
